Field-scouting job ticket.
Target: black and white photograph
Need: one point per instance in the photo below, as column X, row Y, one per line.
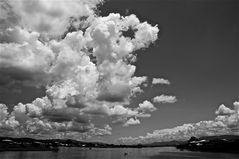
column 119, row 79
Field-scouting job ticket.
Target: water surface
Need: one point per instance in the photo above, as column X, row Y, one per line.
column 117, row 153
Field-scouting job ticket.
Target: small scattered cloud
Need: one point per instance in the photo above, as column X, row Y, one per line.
column 146, row 107
column 160, row 81
column 131, row 121
column 164, row 99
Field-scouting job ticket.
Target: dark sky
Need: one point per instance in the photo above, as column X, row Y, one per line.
column 197, row 51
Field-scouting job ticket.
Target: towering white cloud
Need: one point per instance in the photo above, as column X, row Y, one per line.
column 87, row 73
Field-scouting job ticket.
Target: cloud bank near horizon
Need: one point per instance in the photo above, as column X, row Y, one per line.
column 226, row 122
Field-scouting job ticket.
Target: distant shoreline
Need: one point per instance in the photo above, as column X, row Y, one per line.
column 29, row 144
column 228, row 144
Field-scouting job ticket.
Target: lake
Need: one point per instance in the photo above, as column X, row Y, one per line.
column 117, row 153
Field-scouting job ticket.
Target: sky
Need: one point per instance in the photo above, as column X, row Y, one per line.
column 134, row 71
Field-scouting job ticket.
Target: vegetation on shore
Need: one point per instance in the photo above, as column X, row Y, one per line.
column 225, row 143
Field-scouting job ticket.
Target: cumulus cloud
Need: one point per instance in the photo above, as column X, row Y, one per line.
column 131, row 121
column 160, row 81
column 147, row 107
column 3, row 112
column 225, row 122
column 87, row 73
column 26, row 62
column 223, row 110
column 48, row 17
column 101, row 131
column 164, row 99
column 236, row 106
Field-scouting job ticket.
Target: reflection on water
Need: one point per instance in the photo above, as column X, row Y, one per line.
column 117, row 153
